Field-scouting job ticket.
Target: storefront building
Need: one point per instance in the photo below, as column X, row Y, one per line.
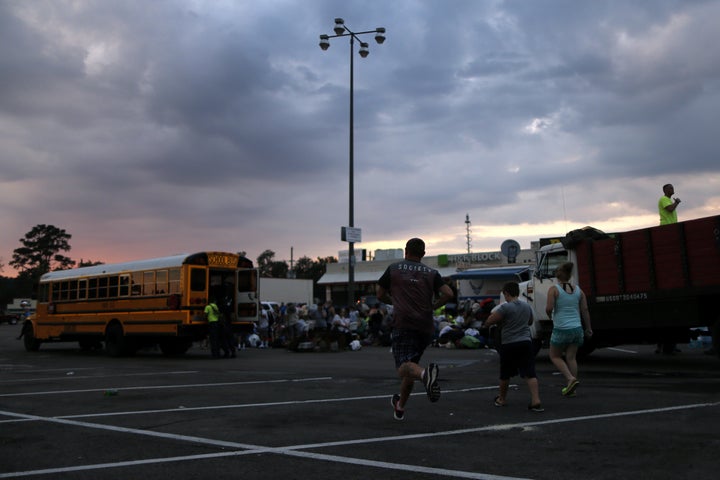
column 367, row 273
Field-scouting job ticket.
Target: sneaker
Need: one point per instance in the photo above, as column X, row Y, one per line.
column 429, row 379
column 570, row 389
column 536, row 408
column 397, row 413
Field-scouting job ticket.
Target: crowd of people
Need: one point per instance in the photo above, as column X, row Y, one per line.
column 288, row 325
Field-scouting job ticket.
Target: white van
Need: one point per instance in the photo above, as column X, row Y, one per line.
column 269, row 306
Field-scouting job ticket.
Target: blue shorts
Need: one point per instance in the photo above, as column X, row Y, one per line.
column 566, row 337
column 517, row 359
column 409, row 345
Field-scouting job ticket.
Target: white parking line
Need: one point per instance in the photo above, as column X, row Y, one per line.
column 156, row 387
column 623, row 350
column 70, row 375
column 240, row 405
column 296, row 450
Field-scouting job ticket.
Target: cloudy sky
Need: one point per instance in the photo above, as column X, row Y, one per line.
column 148, row 128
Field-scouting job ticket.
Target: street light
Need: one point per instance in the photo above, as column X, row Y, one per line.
column 341, row 30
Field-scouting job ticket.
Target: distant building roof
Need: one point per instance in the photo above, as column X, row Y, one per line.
column 491, row 272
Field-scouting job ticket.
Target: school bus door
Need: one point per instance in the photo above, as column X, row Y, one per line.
column 246, row 295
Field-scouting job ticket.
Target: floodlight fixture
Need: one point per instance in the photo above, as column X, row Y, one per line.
column 380, row 35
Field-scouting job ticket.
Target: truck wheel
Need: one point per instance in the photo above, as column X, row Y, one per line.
column 715, row 331
column 32, row 344
column 586, row 348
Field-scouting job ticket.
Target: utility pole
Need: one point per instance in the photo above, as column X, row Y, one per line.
column 467, row 235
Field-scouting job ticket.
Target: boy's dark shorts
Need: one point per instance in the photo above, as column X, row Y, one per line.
column 409, row 345
column 517, row 358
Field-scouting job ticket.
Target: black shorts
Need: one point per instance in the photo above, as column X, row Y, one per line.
column 517, row 359
column 409, row 345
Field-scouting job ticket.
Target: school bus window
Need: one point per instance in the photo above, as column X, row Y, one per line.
column 102, row 287
column 72, row 290
column 44, row 293
column 161, row 281
column 64, row 289
column 55, row 292
column 92, row 288
column 112, row 286
column 124, row 285
column 197, row 280
column 82, row 289
column 246, row 280
column 149, row 283
column 137, row 284
column 174, row 280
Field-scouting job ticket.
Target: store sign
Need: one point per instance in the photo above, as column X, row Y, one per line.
column 471, row 258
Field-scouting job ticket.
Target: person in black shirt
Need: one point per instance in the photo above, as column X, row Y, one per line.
column 412, row 287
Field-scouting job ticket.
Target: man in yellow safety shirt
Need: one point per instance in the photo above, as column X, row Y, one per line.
column 667, row 206
column 212, row 314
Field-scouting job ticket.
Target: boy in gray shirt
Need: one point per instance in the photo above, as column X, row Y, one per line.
column 516, row 351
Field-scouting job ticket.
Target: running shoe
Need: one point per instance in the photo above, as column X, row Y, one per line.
column 570, row 389
column 536, row 408
column 397, row 413
column 430, row 381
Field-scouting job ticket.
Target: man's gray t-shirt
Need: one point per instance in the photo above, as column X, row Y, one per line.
column 412, row 286
column 514, row 326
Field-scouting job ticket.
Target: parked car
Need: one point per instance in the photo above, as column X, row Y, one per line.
column 11, row 319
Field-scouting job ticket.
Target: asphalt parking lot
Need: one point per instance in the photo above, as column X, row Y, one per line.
column 67, row 414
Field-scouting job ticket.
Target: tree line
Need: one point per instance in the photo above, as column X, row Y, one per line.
column 43, row 249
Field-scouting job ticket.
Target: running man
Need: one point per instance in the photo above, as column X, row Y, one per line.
column 412, row 287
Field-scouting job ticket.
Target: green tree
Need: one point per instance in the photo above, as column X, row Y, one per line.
column 312, row 269
column 269, row 267
column 88, row 263
column 306, row 268
column 40, row 252
column 264, row 263
column 279, row 269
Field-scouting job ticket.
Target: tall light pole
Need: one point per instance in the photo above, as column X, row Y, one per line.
column 351, row 234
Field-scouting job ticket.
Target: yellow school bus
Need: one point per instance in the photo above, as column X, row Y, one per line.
column 157, row 301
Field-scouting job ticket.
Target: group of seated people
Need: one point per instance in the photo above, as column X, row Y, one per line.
column 464, row 328
column 292, row 323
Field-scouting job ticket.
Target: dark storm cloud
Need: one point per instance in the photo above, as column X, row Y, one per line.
column 151, row 124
